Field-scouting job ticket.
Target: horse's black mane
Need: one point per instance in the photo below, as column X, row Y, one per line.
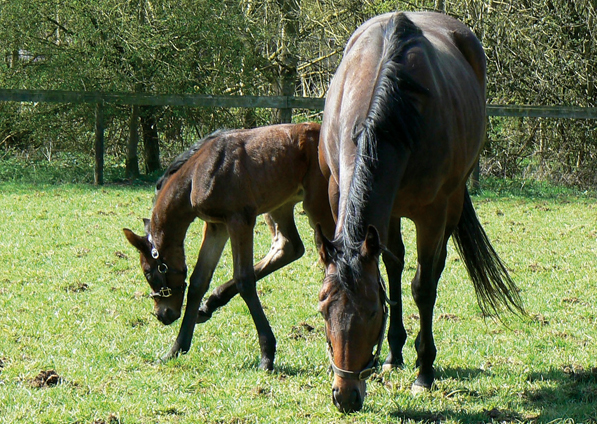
column 181, row 159
column 392, row 118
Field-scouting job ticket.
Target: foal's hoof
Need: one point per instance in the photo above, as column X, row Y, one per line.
column 202, row 316
column 173, row 354
column 266, row 364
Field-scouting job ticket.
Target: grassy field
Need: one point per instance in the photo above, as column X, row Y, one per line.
column 73, row 301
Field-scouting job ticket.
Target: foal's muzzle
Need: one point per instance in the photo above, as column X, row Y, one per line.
column 167, row 315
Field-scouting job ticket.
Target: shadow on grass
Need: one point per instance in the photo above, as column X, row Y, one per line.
column 568, row 394
column 282, row 370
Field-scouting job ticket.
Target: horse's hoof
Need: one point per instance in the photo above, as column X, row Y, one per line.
column 419, row 388
column 389, row 367
column 392, row 364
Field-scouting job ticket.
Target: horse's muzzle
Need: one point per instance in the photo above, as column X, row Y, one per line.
column 347, row 401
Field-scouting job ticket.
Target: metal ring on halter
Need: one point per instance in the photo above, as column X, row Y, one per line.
column 154, row 253
column 162, row 268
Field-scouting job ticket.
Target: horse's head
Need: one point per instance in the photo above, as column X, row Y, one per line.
column 165, row 272
column 352, row 302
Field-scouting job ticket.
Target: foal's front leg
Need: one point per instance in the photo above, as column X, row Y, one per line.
column 286, row 247
column 214, row 240
column 241, row 240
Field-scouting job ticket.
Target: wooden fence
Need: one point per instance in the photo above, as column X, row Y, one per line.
column 202, row 100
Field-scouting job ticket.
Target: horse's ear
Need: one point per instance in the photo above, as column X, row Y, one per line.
column 325, row 247
column 147, row 225
column 140, row 243
column 371, row 247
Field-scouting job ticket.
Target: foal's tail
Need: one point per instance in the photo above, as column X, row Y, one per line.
column 493, row 285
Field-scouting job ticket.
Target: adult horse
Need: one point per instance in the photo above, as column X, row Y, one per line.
column 403, row 126
column 227, row 180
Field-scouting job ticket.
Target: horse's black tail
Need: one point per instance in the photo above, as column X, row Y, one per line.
column 494, row 287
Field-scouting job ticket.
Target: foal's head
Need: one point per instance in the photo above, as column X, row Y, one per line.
column 352, row 302
column 164, row 271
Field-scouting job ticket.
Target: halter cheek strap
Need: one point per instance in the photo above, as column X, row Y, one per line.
column 163, row 268
column 374, row 362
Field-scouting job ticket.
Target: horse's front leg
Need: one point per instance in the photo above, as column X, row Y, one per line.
column 394, row 266
column 286, row 247
column 432, row 239
column 214, row 240
column 241, row 240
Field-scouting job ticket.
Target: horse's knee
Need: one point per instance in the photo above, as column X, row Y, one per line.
column 246, row 286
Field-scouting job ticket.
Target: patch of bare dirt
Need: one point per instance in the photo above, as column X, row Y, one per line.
column 301, row 331
column 46, row 379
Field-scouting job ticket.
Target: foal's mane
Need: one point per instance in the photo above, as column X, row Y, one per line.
column 392, row 118
column 183, row 158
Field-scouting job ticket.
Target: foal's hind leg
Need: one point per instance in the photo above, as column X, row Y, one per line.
column 241, row 240
column 286, row 247
column 214, row 239
column 394, row 268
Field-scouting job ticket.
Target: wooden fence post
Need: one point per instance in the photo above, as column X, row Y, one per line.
column 99, row 144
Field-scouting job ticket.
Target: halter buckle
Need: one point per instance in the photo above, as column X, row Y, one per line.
column 164, row 292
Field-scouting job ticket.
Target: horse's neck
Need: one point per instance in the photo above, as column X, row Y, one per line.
column 370, row 198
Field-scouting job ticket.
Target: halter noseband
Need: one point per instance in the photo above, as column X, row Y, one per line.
column 374, row 362
column 164, row 291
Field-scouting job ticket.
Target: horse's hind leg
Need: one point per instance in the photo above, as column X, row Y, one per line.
column 433, row 231
column 394, row 267
column 286, row 248
column 430, row 236
column 241, row 240
column 214, row 240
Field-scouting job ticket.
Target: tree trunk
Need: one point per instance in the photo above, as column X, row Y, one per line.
column 150, row 138
column 288, row 59
column 132, row 157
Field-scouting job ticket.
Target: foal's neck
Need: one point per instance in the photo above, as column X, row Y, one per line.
column 170, row 220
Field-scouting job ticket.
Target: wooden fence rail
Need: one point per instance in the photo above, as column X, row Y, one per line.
column 205, row 100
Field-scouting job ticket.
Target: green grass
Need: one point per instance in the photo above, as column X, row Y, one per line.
column 73, row 300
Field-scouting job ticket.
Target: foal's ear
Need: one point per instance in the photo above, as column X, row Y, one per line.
column 325, row 247
column 140, row 243
column 371, row 247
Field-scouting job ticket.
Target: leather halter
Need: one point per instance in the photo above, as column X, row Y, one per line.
column 373, row 364
column 163, row 269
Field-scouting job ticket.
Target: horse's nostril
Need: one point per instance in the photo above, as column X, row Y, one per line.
column 351, row 403
column 355, row 400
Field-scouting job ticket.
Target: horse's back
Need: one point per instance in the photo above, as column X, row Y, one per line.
column 442, row 66
column 252, row 171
